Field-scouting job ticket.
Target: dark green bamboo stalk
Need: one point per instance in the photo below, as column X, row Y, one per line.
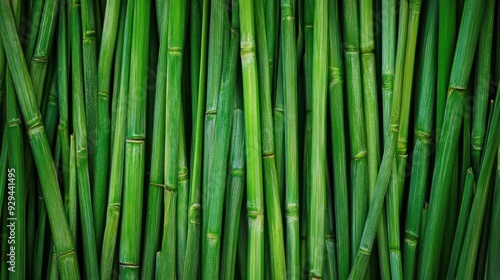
column 3, row 68
column 388, row 60
column 73, row 194
column 330, row 259
column 194, row 229
column 105, row 64
column 446, row 46
column 425, row 100
column 484, row 57
column 51, row 112
column 272, row 194
column 359, row 205
column 156, row 177
column 38, row 141
column 494, row 243
column 3, row 166
column 291, row 155
column 336, row 92
column 195, row 22
column 135, row 146
column 447, row 149
column 466, row 264
column 63, row 92
column 40, row 59
column 255, row 196
column 480, row 267
column 236, row 185
column 118, row 145
column 463, row 218
column 89, row 46
column 217, row 178
column 82, row 164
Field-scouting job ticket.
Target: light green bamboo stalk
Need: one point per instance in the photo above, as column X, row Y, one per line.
column 388, row 60
column 447, row 149
column 38, row 141
column 73, row 194
column 255, row 196
column 182, row 199
column 291, row 156
column 135, row 146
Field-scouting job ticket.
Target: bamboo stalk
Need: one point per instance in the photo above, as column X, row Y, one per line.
column 388, row 60
column 182, row 199
column 217, row 177
column 38, row 141
column 494, row 244
column 255, row 199
column 447, row 149
column 39, row 61
column 482, row 89
column 156, row 178
column 291, row 156
column 463, row 218
column 425, row 100
column 236, row 185
column 272, row 191
column 82, row 163
column 35, row 16
column 118, row 145
column 135, row 146
column 104, row 67
column 73, row 194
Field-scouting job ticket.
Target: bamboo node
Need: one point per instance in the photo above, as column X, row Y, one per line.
column 387, row 81
column 103, row 94
column 237, row 172
column 37, row 127
column 423, row 136
column 157, row 185
column 175, row 51
column 39, row 59
column 411, row 237
column 265, row 156
column 67, row 253
column 360, row 155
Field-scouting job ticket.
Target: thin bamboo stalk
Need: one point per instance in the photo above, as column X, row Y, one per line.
column 135, row 146
column 182, row 198
column 35, row 16
column 494, row 242
column 388, row 60
column 106, row 55
column 118, row 146
column 82, row 163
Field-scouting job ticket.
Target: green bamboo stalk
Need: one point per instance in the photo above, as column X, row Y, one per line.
column 370, row 102
column 38, row 250
column 447, row 149
column 272, row 20
column 272, row 191
column 494, row 244
column 182, row 199
column 195, row 22
column 63, row 91
column 291, row 156
column 131, row 223
column 82, row 163
column 330, row 259
column 217, row 177
column 425, row 100
column 318, row 140
column 35, row 16
column 89, row 46
column 73, row 194
column 192, row 261
column 255, row 196
column 39, row 143
column 482, row 89
column 242, row 250
column 480, row 267
column 4, row 273
column 3, row 68
column 118, row 146
column 50, row 118
column 407, row 86
column 446, row 46
column 105, row 64
column 175, row 38
column 279, row 126
column 388, row 60
column 466, row 265
column 40, row 59
column 52, row 273
column 3, row 166
column 156, row 179
column 463, row 218
column 234, row 197
column 359, row 176
column 16, row 209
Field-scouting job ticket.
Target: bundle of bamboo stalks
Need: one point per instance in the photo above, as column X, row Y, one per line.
column 250, row 139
